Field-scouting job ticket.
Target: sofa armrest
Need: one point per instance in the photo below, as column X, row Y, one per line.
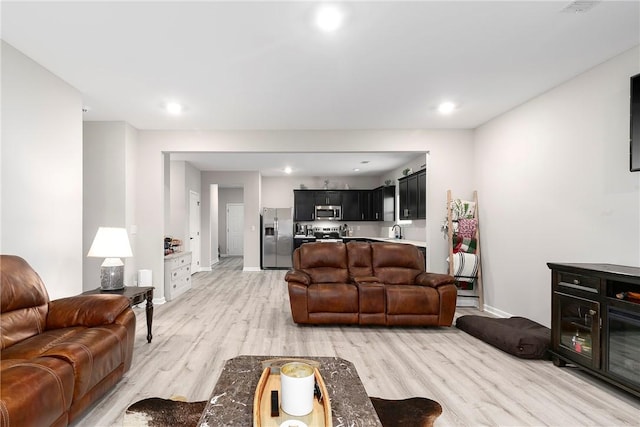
column 298, row 276
column 434, row 279
column 85, row 310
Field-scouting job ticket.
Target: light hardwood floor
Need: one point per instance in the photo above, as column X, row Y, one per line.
column 230, row 312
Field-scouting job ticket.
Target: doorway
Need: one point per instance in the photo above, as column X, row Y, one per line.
column 235, row 229
column 194, row 230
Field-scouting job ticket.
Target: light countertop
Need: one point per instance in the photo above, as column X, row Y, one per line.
column 379, row 239
column 418, row 243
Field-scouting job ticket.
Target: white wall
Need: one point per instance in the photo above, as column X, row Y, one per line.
column 131, row 143
column 178, row 209
column 41, row 172
column 108, row 178
column 554, row 186
column 451, row 155
column 226, row 195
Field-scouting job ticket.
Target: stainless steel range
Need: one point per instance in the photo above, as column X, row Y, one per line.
column 327, row 234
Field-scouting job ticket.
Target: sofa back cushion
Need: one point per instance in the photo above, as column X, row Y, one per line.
column 396, row 263
column 359, row 259
column 24, row 301
column 323, row 262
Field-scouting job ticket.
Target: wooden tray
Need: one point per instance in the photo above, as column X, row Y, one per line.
column 270, row 380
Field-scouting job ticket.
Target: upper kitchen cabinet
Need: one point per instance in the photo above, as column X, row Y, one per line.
column 328, row 198
column 357, row 205
column 383, row 203
column 351, row 205
column 304, row 205
column 412, row 189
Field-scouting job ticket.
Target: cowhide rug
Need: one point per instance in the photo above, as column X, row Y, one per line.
column 157, row 412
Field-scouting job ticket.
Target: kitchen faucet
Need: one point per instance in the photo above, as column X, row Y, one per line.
column 399, row 233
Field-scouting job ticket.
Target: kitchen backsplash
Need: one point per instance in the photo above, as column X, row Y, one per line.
column 413, row 231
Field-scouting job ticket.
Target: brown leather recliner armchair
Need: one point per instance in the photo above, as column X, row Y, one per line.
column 368, row 284
column 57, row 357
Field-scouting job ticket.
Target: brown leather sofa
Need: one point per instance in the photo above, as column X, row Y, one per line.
column 57, row 357
column 368, row 284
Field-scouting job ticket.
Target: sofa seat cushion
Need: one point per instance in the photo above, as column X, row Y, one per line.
column 39, row 344
column 332, row 298
column 518, row 336
column 35, row 392
column 92, row 353
column 412, row 299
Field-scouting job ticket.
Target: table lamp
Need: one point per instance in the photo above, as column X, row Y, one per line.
column 112, row 244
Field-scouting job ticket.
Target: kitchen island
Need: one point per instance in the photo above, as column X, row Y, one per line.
column 418, row 243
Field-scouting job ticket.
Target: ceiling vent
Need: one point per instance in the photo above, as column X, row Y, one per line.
column 580, row 6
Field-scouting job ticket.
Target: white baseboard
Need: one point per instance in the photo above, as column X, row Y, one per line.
column 214, row 261
column 496, row 312
column 466, row 302
column 205, row 268
column 158, row 301
column 251, row 269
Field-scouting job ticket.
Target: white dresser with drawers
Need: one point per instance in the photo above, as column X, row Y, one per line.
column 177, row 274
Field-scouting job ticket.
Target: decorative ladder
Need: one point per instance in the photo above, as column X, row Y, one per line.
column 477, row 289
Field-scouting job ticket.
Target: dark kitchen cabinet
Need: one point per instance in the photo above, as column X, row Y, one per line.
column 357, row 205
column 383, row 203
column 328, row 198
column 412, row 191
column 304, row 205
column 366, row 208
column 351, row 205
column 299, row 241
column 422, row 195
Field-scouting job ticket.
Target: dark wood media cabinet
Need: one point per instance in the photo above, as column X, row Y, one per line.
column 595, row 321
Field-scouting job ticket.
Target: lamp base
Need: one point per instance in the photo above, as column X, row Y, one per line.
column 112, row 277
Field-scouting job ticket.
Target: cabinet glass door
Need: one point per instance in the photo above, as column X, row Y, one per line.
column 623, row 349
column 578, row 333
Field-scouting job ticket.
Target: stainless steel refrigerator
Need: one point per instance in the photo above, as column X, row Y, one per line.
column 277, row 237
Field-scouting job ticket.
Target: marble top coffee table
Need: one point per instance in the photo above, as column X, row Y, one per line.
column 231, row 403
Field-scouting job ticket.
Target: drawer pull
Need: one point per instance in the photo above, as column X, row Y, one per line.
column 579, row 287
column 576, row 281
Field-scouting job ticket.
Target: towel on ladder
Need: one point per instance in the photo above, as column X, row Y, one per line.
column 465, row 266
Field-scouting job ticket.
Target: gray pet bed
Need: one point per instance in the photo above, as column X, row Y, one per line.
column 519, row 336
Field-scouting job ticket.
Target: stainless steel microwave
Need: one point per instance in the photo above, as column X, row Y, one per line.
column 328, row 212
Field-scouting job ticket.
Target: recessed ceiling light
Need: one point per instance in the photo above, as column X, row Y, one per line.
column 580, row 6
column 287, row 170
column 446, row 107
column 356, row 169
column 174, row 108
column 329, row 18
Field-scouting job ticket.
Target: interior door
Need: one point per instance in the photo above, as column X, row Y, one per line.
column 235, row 229
column 194, row 230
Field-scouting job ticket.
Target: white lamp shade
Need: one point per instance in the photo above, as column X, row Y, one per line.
column 110, row 242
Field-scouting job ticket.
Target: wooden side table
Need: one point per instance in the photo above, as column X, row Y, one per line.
column 136, row 295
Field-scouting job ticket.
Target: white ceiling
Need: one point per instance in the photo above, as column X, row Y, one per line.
column 263, row 65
